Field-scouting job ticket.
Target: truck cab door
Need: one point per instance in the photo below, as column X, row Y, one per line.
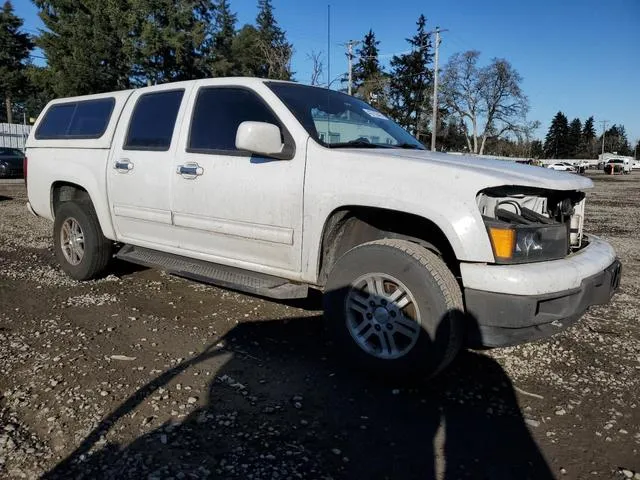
column 140, row 171
column 230, row 206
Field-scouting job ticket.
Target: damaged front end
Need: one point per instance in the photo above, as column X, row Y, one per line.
column 532, row 224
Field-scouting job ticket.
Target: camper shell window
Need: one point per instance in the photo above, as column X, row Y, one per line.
column 80, row 119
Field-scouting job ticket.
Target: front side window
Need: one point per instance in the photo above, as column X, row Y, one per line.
column 217, row 114
column 336, row 120
column 81, row 119
column 153, row 121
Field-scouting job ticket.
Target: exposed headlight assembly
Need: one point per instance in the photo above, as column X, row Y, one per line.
column 527, row 243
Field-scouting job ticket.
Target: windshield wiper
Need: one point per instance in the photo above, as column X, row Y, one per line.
column 356, row 144
column 409, row 146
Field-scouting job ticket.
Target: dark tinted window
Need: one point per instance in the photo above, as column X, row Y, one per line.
column 153, row 120
column 91, row 118
column 83, row 119
column 219, row 112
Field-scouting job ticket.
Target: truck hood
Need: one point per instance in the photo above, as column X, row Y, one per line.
column 493, row 172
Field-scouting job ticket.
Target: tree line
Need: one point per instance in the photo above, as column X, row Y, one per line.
column 481, row 107
column 104, row 45
column 574, row 139
column 96, row 46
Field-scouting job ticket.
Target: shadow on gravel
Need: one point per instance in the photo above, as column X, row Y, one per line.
column 121, row 268
column 283, row 406
column 3, row 198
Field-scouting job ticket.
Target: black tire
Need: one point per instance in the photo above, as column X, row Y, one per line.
column 98, row 249
column 437, row 296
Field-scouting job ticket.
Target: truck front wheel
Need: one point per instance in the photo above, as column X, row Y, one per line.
column 80, row 246
column 395, row 309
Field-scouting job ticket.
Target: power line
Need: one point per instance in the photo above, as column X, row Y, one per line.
column 395, row 54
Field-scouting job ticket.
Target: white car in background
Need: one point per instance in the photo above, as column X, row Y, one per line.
column 562, row 167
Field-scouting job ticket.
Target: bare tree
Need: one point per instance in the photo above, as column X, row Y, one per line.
column 277, row 59
column 488, row 100
column 318, row 66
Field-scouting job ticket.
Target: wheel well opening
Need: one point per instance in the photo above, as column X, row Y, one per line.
column 66, row 192
column 351, row 226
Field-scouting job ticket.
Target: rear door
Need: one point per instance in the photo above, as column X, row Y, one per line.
column 141, row 167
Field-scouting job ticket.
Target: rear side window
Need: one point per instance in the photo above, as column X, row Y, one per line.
column 153, row 121
column 218, row 113
column 82, row 119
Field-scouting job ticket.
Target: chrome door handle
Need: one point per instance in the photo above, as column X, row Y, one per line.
column 190, row 170
column 123, row 165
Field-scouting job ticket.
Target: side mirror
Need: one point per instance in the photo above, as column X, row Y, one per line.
column 259, row 137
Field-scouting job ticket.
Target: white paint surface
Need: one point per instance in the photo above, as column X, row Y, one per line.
column 268, row 215
column 543, row 277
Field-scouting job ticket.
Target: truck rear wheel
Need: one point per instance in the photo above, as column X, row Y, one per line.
column 80, row 247
column 395, row 309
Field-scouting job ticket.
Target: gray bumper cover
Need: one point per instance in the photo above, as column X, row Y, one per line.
column 500, row 319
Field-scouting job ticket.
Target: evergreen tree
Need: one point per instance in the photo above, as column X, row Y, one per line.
column 370, row 82
column 616, row 141
column 575, row 136
column 88, row 46
column 537, row 149
column 272, row 44
column 223, row 62
column 556, row 144
column 245, row 53
column 452, row 137
column 410, row 81
column 40, row 90
column 588, row 130
column 168, row 37
column 368, row 66
column 15, row 47
column 588, row 145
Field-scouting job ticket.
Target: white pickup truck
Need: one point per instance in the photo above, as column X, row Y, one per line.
column 274, row 187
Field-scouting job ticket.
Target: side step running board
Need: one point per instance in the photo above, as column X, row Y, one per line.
column 219, row 275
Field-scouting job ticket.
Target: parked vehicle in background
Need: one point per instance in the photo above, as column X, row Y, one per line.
column 636, row 165
column 617, row 166
column 562, row 167
column 582, row 166
column 11, row 163
column 274, row 188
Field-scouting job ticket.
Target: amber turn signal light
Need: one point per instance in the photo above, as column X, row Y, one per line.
column 503, row 241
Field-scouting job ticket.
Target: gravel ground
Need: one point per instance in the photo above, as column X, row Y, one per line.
column 143, row 375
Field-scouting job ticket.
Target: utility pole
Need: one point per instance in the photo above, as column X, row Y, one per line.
column 328, row 45
column 350, row 44
column 604, row 131
column 434, row 113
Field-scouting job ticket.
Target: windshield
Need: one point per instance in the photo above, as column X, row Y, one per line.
column 336, row 120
